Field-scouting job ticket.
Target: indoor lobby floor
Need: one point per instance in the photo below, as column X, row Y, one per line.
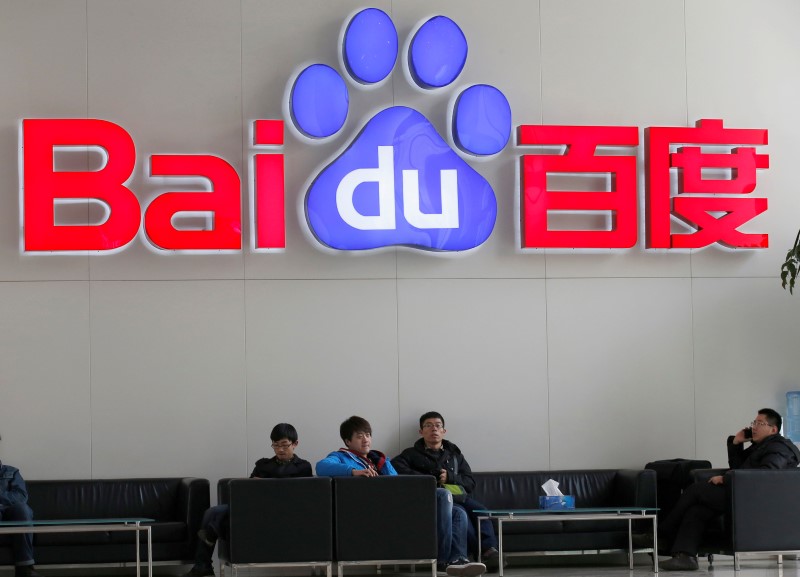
column 723, row 567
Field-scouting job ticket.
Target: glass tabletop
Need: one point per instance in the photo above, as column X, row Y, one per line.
column 577, row 510
column 45, row 522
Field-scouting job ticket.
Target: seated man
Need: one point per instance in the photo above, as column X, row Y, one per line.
column 433, row 455
column 356, row 458
column 215, row 520
column 14, row 507
column 702, row 502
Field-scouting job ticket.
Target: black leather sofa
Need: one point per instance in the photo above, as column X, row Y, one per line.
column 761, row 515
column 176, row 504
column 590, row 487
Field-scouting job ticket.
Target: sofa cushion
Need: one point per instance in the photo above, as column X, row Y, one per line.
column 521, row 490
column 111, row 498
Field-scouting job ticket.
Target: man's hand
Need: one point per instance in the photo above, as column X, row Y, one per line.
column 739, row 438
column 443, row 476
column 364, row 473
column 717, row 480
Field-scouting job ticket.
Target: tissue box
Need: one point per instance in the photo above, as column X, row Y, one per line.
column 558, row 502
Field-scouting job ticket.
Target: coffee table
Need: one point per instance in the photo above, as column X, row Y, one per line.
column 87, row 526
column 503, row 516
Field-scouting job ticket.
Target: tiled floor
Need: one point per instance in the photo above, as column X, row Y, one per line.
column 593, row 566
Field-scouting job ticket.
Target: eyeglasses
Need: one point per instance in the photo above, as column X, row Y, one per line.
column 281, row 445
column 435, row 426
column 755, row 424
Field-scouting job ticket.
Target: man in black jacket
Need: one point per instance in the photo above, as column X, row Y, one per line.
column 433, row 455
column 702, row 502
column 283, row 465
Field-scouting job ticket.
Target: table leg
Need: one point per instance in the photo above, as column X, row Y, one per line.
column 630, row 545
column 500, row 547
column 138, row 560
column 149, row 551
column 655, row 544
column 480, row 547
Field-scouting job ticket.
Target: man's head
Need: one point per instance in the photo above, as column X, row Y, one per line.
column 356, row 434
column 767, row 422
column 284, row 441
column 431, row 427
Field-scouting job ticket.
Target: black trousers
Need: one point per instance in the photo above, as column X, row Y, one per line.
column 700, row 503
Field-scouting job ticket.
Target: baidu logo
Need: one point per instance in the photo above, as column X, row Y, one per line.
column 399, row 183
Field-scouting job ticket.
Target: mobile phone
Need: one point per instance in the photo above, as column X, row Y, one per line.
column 748, row 433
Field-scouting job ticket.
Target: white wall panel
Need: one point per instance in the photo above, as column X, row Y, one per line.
column 309, row 31
column 170, row 74
column 317, row 353
column 43, row 70
column 617, row 63
column 744, row 350
column 175, row 364
column 505, row 54
column 168, row 389
column 44, row 379
column 620, row 371
column 481, row 361
column 740, row 70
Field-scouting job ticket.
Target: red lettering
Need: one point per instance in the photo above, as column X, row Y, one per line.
column 537, row 201
column 269, row 210
column 42, row 185
column 223, row 201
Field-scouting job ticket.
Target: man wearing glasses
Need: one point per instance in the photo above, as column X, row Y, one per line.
column 433, row 455
column 215, row 520
column 702, row 502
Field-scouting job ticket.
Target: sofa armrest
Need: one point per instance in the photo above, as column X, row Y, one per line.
column 193, row 500
column 703, row 475
column 223, row 490
column 765, row 499
column 635, row 488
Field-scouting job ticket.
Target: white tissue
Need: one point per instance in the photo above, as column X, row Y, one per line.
column 551, row 489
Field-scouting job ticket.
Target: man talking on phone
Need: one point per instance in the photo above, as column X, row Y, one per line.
column 702, row 502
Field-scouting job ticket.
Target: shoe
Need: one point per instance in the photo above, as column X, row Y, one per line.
column 200, row 571
column 491, row 558
column 26, row 571
column 464, row 568
column 208, row 536
column 680, row 562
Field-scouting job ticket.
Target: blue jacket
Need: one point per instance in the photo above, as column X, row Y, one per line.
column 341, row 464
column 12, row 487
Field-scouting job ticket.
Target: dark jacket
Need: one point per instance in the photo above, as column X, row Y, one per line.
column 272, row 468
column 419, row 460
column 774, row 452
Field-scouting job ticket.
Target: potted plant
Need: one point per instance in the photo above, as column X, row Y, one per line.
column 790, row 268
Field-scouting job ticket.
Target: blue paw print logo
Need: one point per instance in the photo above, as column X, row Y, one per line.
column 399, row 183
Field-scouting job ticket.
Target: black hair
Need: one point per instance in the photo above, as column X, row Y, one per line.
column 772, row 416
column 430, row 415
column 283, row 431
column 354, row 425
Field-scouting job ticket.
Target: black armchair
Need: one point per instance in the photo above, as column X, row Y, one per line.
column 277, row 523
column 385, row 520
column 761, row 517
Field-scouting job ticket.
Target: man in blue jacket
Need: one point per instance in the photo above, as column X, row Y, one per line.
column 14, row 507
column 356, row 458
